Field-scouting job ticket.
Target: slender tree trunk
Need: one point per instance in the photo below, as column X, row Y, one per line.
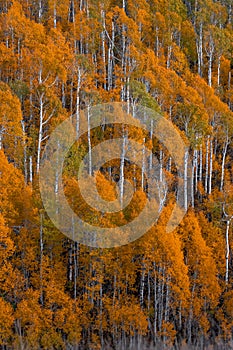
column 190, row 317
column 18, row 328
column 169, row 166
column 151, row 153
column 71, row 97
column 211, row 166
column 103, row 49
column 41, row 260
column 169, row 52
column 24, row 153
column 63, row 98
column 89, row 140
column 228, row 222
column 199, row 45
column 114, row 288
column 110, row 67
column 210, row 53
column 54, row 15
column 192, row 180
column 127, row 95
column 227, row 251
column 161, row 297
column 78, row 101
column 196, row 168
column 219, row 69
column 71, row 12
column 210, row 69
column 70, row 264
column 142, row 284
column 201, row 49
column 40, row 135
column 229, row 80
column 157, row 41
column 76, row 253
column 30, row 169
column 40, row 11
column 56, row 170
column 207, row 165
column 143, row 164
column 111, row 59
column 230, row 13
column 134, row 172
column 223, row 162
column 186, row 156
column 161, row 166
column 122, row 170
column 167, row 300
column 155, row 301
column 148, row 297
column 101, row 317
column 201, row 164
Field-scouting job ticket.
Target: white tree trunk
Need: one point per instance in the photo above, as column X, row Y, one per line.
column 127, row 96
column 148, row 297
column 223, row 162
column 157, row 41
column 76, row 252
column 24, row 153
column 210, row 70
column 169, row 52
column 103, row 48
column 70, row 265
column 41, row 259
column 219, row 70
column 227, row 250
column 40, row 11
column 40, row 135
column 71, row 98
column 201, row 164
column 199, row 45
column 155, row 301
column 186, row 156
column 30, row 169
column 89, row 140
column 161, row 166
column 151, row 137
column 207, row 165
column 196, row 168
column 63, row 99
column 78, row 101
column 210, row 53
column 54, row 15
column 230, row 13
column 211, row 166
column 192, row 181
column 143, row 164
column 142, row 285
column 122, row 176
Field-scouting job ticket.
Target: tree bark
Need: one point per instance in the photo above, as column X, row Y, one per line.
column 186, row 156
column 211, row 166
column 223, row 162
column 207, row 165
column 227, row 251
column 89, row 141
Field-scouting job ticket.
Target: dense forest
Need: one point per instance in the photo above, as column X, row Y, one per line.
column 172, row 290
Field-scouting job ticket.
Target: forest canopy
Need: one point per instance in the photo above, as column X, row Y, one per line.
column 59, row 58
